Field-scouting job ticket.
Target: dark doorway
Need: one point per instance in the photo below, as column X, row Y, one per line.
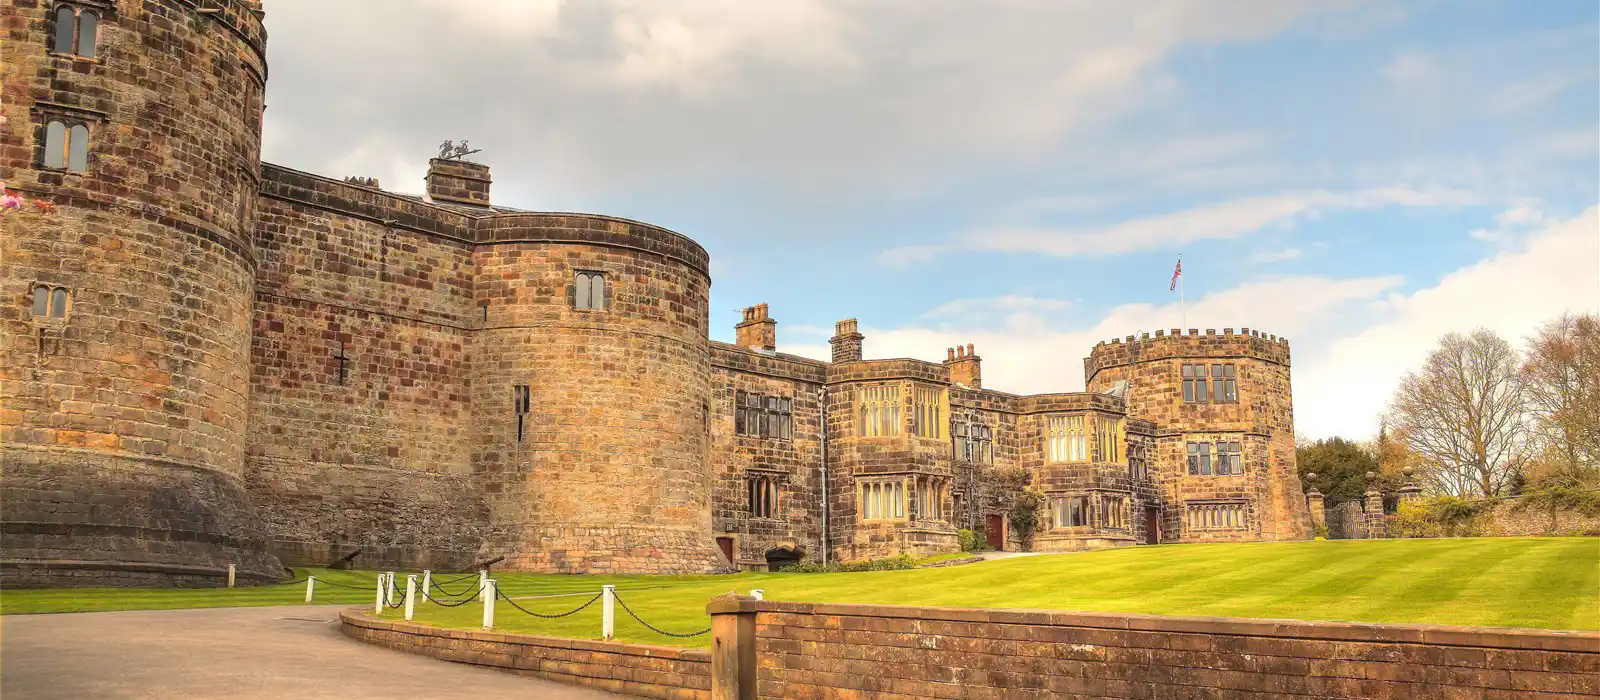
column 782, row 558
column 726, row 545
column 995, row 529
column 1152, row 525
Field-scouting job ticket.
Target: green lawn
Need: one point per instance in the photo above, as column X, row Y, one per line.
column 1524, row 582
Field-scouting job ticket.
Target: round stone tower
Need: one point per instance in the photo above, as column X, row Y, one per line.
column 1213, row 396
column 132, row 136
column 590, row 395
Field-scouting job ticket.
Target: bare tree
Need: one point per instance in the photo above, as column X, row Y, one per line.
column 1465, row 416
column 1562, row 376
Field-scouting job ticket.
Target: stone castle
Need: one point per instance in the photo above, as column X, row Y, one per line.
column 210, row 360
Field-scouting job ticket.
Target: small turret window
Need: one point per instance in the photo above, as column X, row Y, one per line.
column 75, row 31
column 590, row 292
column 66, row 147
column 50, row 302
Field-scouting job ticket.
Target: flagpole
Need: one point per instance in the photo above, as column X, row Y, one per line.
column 1183, row 308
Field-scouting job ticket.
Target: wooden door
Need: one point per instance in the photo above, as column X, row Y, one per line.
column 995, row 529
column 1152, row 525
column 726, row 544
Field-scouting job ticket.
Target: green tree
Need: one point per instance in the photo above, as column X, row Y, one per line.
column 1340, row 467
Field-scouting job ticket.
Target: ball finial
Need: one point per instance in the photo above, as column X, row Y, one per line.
column 1371, row 476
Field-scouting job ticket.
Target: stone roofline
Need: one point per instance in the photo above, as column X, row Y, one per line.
column 1129, row 350
column 467, row 225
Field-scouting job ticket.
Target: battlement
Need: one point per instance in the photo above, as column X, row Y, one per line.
column 1179, row 344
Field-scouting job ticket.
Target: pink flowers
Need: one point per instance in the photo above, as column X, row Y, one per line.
column 10, row 200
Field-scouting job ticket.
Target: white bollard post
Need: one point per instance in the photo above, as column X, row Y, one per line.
column 230, row 575
column 388, row 588
column 427, row 583
column 758, row 593
column 377, row 602
column 311, row 587
column 411, row 595
column 488, row 603
column 483, row 580
column 608, row 611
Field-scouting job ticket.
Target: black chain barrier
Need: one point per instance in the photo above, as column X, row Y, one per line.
column 501, row 595
column 336, row 584
column 445, row 591
column 457, row 603
column 654, row 628
column 285, row 583
column 463, row 578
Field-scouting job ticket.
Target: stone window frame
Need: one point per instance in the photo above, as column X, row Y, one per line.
column 763, row 415
column 99, row 11
column 878, row 410
column 1110, row 436
column 1219, row 514
column 929, row 493
column 929, row 411
column 1061, row 509
column 1207, row 457
column 1066, row 439
column 69, row 125
column 879, row 499
column 764, row 494
column 53, row 292
column 583, row 277
column 973, row 440
column 1115, row 509
column 1138, row 461
column 522, row 405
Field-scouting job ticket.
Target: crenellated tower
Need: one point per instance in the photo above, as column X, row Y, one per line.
column 132, row 134
column 1224, row 453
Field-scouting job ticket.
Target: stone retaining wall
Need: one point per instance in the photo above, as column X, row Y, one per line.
column 805, row 650
column 668, row 673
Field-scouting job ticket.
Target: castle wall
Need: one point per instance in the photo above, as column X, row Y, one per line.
column 795, row 463
column 123, row 422
column 613, row 473
column 1262, row 420
column 373, row 453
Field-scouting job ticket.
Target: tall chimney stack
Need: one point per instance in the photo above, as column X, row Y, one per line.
column 964, row 365
column 458, row 182
column 757, row 330
column 846, row 341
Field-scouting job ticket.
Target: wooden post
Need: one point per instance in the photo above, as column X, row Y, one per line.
column 488, row 603
column 733, row 646
column 608, row 611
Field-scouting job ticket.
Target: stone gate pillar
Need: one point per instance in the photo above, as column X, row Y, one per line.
column 1377, row 522
column 1411, row 492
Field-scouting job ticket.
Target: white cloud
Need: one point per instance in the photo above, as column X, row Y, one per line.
column 1008, row 302
column 1352, row 338
column 1522, row 95
column 1276, row 256
column 1412, row 70
column 1343, row 388
column 1222, row 220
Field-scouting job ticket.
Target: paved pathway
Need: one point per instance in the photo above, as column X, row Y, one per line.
column 234, row 653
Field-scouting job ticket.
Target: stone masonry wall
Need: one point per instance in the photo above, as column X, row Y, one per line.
column 1152, row 367
column 124, row 422
column 796, row 463
column 372, row 453
column 613, row 472
column 810, row 650
column 667, row 673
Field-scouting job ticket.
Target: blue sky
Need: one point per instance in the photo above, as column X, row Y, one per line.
column 1358, row 177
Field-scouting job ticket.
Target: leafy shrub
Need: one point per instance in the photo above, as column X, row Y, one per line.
column 904, row 561
column 1441, row 516
column 1319, row 530
column 1553, row 495
column 972, row 541
column 1026, row 508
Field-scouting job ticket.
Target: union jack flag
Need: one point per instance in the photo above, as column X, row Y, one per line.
column 1176, row 273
